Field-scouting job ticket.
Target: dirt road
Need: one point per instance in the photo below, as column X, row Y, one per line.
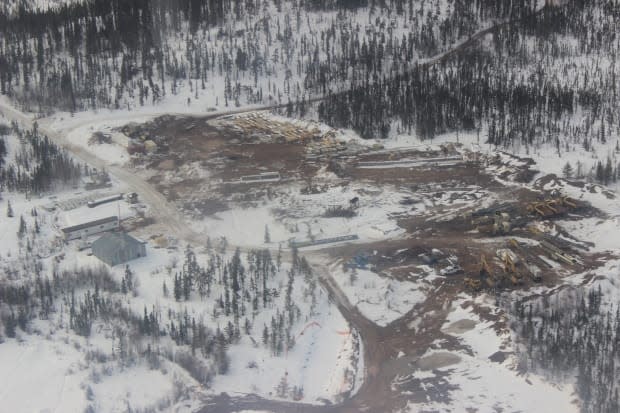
column 381, row 344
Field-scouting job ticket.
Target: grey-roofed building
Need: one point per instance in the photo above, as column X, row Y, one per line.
column 90, row 228
column 117, row 247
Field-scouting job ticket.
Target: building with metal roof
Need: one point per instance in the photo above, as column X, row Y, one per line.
column 117, row 248
column 90, row 228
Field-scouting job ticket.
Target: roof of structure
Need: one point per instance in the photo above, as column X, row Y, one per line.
column 112, row 242
column 90, row 224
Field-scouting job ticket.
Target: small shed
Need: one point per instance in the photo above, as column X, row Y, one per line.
column 118, row 248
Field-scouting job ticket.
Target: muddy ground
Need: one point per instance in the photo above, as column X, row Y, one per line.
column 198, row 164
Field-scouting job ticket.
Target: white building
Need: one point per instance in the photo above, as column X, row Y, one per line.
column 90, row 228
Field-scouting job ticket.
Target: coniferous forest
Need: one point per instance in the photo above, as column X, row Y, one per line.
column 140, row 50
column 521, row 76
column 546, row 77
column 573, row 334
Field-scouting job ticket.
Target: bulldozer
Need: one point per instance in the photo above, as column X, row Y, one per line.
column 543, row 209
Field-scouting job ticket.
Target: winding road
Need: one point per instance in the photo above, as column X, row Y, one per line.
column 379, row 343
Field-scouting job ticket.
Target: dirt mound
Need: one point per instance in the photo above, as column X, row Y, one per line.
column 437, row 361
column 460, row 327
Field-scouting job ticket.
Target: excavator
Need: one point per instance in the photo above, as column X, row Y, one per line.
column 476, row 284
column 486, row 272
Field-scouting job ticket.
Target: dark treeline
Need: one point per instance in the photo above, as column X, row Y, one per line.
column 99, row 53
column 574, row 336
column 91, row 295
column 240, row 291
column 523, row 89
column 455, row 95
column 243, row 292
column 38, row 166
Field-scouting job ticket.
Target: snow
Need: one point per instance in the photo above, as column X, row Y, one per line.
column 596, row 230
column 79, row 129
column 85, row 214
column 245, row 226
column 484, row 385
column 138, row 388
column 318, row 363
column 49, row 369
column 324, row 361
column 292, row 215
column 379, row 298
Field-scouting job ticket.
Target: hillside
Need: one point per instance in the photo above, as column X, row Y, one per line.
column 345, row 205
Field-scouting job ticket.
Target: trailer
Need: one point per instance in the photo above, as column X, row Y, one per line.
column 106, row 200
column 262, row 177
column 301, row 244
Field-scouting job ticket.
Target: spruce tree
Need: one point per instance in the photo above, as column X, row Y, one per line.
column 567, row 171
column 22, row 227
column 267, row 236
column 9, row 209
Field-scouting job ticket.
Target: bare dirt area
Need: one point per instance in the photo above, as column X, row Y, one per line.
column 454, row 223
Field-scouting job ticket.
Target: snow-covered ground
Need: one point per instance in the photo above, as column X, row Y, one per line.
column 482, row 384
column 325, row 361
column 379, row 298
column 324, row 364
column 303, row 218
column 45, row 366
column 12, row 6
column 320, row 363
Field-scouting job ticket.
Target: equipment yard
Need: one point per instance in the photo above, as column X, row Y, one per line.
column 425, row 249
column 404, row 236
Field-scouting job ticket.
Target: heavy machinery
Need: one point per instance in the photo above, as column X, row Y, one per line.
column 472, row 283
column 551, row 207
column 510, row 261
column 515, row 246
column 486, row 272
column 497, row 224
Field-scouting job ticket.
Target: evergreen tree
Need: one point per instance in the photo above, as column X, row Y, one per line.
column 10, row 324
column 22, row 227
column 608, row 172
column 267, row 236
column 178, row 289
column 567, row 170
column 9, row 209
